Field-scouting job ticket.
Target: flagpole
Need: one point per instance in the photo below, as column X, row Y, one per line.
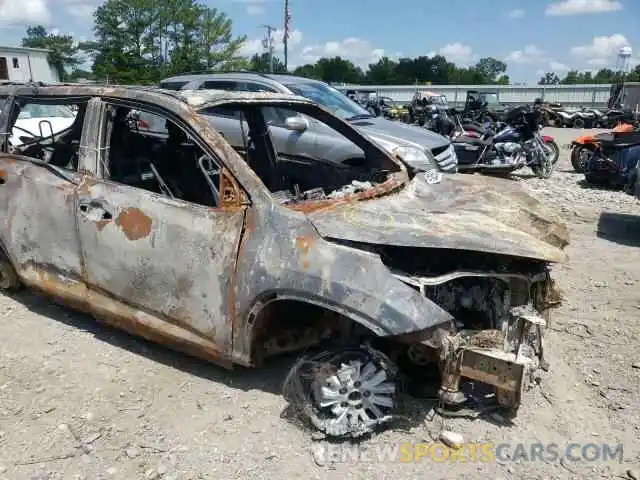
column 285, row 39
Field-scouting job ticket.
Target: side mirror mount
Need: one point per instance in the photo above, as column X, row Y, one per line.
column 297, row 123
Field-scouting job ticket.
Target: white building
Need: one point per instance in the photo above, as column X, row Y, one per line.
column 20, row 64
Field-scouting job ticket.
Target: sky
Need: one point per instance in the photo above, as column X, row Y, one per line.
column 531, row 36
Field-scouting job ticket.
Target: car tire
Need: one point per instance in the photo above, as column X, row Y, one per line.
column 578, row 123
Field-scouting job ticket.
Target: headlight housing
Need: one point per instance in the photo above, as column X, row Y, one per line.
column 420, row 160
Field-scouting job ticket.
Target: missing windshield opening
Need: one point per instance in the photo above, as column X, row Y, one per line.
column 300, row 152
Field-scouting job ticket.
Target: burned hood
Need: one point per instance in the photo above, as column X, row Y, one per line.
column 460, row 212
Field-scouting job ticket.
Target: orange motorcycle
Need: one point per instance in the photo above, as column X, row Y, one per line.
column 582, row 147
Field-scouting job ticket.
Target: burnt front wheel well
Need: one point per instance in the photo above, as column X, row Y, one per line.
column 284, row 326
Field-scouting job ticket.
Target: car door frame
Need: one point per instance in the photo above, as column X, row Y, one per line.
column 137, row 297
column 41, row 244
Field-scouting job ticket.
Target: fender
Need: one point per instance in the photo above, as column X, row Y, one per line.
column 584, row 139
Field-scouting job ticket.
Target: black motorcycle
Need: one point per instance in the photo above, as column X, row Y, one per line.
column 518, row 143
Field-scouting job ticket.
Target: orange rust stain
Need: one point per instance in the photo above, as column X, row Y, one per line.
column 229, row 190
column 304, row 243
column 85, row 186
column 134, row 223
column 390, row 186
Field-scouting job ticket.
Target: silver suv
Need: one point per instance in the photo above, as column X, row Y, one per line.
column 296, row 135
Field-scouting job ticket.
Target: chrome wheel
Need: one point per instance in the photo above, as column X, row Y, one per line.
column 342, row 393
column 357, row 396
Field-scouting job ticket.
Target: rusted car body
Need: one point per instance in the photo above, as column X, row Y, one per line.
column 236, row 259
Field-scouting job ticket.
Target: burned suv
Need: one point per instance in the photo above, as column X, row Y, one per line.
column 235, row 256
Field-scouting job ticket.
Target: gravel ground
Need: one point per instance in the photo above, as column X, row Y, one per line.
column 82, row 401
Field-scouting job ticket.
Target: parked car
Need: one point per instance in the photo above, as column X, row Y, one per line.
column 43, row 120
column 179, row 239
column 296, row 137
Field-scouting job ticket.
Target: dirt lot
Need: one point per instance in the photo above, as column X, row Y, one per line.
column 83, row 401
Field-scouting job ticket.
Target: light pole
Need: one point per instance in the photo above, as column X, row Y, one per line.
column 267, row 43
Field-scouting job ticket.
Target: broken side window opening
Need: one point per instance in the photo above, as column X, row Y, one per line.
column 48, row 130
column 163, row 159
column 298, row 153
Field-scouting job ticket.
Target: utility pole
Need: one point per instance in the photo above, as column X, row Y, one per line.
column 285, row 38
column 267, row 43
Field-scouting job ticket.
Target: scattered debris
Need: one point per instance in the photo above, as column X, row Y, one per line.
column 131, row 452
column 451, row 439
column 354, row 187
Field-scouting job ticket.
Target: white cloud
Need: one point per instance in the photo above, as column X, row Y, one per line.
column 576, row 7
column 602, row 51
column 558, row 67
column 360, row 52
column 458, row 53
column 251, row 47
column 529, row 54
column 517, row 13
column 24, row 12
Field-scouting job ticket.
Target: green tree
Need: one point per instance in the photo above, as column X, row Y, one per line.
column 338, row 69
column 549, row 78
column 140, row 41
column 383, row 72
column 62, row 49
column 261, row 63
column 490, row 68
column 307, row 71
column 217, row 40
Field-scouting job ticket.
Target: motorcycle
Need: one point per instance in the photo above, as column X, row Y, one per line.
column 482, row 130
column 517, row 144
column 584, row 146
column 613, row 162
column 552, row 117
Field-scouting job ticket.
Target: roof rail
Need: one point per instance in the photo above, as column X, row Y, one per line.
column 214, row 72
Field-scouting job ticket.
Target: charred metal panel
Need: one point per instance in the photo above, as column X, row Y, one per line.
column 462, row 212
column 38, row 225
column 281, row 254
column 170, row 259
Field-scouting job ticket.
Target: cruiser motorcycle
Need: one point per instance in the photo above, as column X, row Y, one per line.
column 517, row 144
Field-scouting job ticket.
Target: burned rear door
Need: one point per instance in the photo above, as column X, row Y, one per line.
column 158, row 266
